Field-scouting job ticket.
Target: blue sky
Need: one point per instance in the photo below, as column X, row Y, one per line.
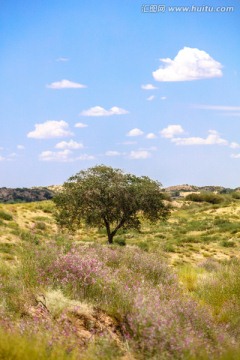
column 152, row 88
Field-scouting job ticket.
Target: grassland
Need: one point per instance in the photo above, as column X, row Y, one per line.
column 171, row 291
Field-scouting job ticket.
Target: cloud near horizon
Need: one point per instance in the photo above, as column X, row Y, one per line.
column 189, row 64
column 71, row 144
column 212, row 139
column 139, row 154
column 113, row 153
column 65, row 84
column 63, row 156
column 50, row 129
column 100, row 111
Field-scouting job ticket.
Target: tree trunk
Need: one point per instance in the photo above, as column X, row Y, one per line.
column 110, row 233
column 110, row 238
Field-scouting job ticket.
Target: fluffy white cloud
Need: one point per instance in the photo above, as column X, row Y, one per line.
column 80, row 125
column 151, row 136
column 163, row 97
column 172, row 130
column 139, row 154
column 234, row 145
column 135, row 132
column 112, row 153
column 50, row 129
column 62, row 156
column 151, row 98
column 148, row 87
column 212, row 139
column 189, row 64
column 71, row 144
column 100, row 111
column 65, row 84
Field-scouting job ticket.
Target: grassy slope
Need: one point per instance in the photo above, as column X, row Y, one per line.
column 201, row 242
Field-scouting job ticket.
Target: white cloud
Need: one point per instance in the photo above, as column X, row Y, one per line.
column 163, row 97
column 148, row 87
column 172, row 130
column 71, row 144
column 80, row 125
column 65, row 84
column 151, row 136
column 20, row 147
column 189, row 64
column 9, row 157
column 235, row 156
column 62, row 59
column 100, row 111
column 212, row 139
column 150, row 98
column 234, row 145
column 61, row 156
column 135, row 132
column 85, row 157
column 112, row 153
column 139, row 154
column 50, row 129
column 217, row 107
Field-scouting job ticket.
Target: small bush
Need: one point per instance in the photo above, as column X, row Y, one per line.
column 5, row 216
column 236, row 195
column 228, row 243
column 40, row 225
column 120, row 241
column 143, row 246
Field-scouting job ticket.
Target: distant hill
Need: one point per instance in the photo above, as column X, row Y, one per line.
column 179, row 190
column 8, row 195
column 16, row 195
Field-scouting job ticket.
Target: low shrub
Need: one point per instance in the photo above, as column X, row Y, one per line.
column 5, row 215
column 205, row 197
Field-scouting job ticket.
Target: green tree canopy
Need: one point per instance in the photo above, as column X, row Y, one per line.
column 106, row 197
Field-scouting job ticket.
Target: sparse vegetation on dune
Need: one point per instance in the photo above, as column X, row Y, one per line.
column 170, row 291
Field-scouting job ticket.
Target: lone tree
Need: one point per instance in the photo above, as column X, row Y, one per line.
column 106, row 197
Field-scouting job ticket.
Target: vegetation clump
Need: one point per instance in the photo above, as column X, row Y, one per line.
column 208, row 197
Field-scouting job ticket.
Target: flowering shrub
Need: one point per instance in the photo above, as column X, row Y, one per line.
column 73, row 270
column 171, row 325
